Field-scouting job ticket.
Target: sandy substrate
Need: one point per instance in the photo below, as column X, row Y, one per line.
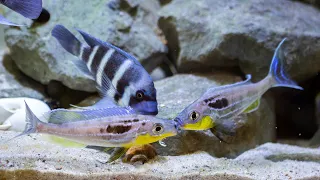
column 29, row 157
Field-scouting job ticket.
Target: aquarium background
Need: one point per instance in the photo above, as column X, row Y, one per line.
column 186, row 46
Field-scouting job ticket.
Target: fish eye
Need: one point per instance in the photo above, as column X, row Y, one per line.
column 194, row 115
column 157, row 129
column 139, row 95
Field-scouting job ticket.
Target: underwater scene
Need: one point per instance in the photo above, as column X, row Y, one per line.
column 159, row 89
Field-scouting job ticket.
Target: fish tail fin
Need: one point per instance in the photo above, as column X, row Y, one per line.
column 31, row 123
column 28, row 8
column 67, row 40
column 277, row 70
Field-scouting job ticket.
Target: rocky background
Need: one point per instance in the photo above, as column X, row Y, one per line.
column 186, row 46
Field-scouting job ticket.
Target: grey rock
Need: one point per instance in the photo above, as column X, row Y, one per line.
column 208, row 34
column 32, row 158
column 177, row 92
column 13, row 83
column 41, row 57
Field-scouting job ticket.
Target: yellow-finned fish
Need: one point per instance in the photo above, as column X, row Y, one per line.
column 106, row 127
column 219, row 106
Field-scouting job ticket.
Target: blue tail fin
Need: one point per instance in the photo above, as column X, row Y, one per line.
column 277, row 70
column 31, row 123
column 28, row 8
column 67, row 40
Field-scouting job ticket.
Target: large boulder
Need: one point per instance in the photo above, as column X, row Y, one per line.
column 32, row 158
column 206, row 34
column 40, row 56
column 177, row 92
column 13, row 83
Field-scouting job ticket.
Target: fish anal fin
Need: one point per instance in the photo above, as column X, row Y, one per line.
column 117, row 153
column 62, row 141
column 254, row 106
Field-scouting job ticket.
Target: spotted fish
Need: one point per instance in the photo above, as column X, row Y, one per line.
column 118, row 74
column 108, row 127
column 219, row 106
column 28, row 8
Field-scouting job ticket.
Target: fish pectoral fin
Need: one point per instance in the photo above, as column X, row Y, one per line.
column 117, row 153
column 254, row 106
column 63, row 142
column 83, row 68
column 107, row 88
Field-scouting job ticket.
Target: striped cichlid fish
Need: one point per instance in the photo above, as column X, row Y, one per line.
column 106, row 127
column 118, row 74
column 28, row 8
column 219, row 106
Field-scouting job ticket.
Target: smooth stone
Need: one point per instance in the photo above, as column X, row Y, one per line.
column 13, row 113
column 32, row 158
column 207, row 34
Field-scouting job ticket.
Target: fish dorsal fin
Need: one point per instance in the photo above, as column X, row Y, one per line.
column 105, row 102
column 28, row 8
column 247, row 81
column 60, row 116
column 92, row 41
column 254, row 106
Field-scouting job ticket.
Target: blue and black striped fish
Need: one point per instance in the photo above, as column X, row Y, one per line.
column 28, row 8
column 118, row 74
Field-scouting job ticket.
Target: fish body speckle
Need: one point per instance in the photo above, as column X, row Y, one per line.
column 118, row 74
column 219, row 106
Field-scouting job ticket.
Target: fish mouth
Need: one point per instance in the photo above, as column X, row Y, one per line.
column 146, row 107
column 203, row 124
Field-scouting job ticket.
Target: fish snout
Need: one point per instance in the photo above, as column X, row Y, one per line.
column 178, row 123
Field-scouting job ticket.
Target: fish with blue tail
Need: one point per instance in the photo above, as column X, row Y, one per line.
column 118, row 74
column 28, row 8
column 107, row 127
column 219, row 107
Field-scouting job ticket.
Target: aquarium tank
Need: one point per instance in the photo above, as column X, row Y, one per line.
column 159, row 89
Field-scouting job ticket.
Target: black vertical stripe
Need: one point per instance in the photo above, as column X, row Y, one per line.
column 132, row 75
column 97, row 59
column 85, row 54
column 113, row 64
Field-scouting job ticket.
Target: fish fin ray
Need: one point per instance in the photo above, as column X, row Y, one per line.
column 28, row 8
column 4, row 21
column 31, row 123
column 117, row 153
column 60, row 116
column 107, row 88
column 92, row 41
column 278, row 72
column 254, row 106
column 247, row 81
column 81, row 65
column 67, row 40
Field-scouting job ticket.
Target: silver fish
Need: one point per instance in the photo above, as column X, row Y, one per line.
column 28, row 8
column 219, row 106
column 108, row 127
column 118, row 74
